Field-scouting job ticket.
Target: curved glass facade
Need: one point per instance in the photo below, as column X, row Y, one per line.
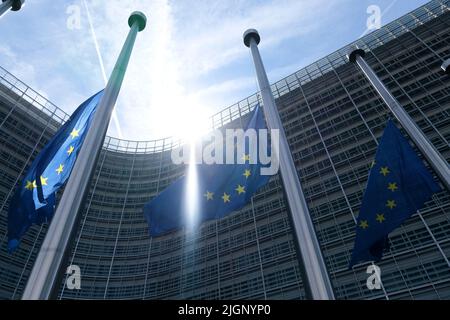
column 332, row 117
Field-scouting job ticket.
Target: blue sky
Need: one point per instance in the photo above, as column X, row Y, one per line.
column 187, row 64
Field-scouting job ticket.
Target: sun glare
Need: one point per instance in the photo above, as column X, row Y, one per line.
column 193, row 123
column 192, row 191
column 185, row 121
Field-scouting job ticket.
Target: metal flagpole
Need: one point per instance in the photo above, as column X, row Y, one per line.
column 434, row 158
column 315, row 269
column 45, row 270
column 14, row 5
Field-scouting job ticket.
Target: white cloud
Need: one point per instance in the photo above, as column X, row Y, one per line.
column 225, row 87
column 208, row 43
column 16, row 65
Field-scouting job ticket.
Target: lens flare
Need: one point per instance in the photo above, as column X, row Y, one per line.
column 192, row 190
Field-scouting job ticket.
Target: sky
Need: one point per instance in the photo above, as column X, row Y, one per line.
column 189, row 62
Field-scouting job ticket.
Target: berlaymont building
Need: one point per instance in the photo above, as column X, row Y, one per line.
column 332, row 117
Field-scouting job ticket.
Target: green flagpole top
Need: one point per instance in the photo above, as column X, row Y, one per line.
column 138, row 17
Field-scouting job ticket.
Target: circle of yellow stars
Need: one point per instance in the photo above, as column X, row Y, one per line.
column 240, row 189
column 30, row 185
column 390, row 204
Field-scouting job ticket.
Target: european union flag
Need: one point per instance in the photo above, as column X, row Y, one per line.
column 398, row 186
column 34, row 199
column 220, row 189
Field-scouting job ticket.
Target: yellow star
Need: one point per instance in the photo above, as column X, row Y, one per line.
column 226, row 197
column 30, row 185
column 209, row 195
column 384, row 171
column 363, row 224
column 373, row 164
column 43, row 181
column 391, row 204
column 74, row 133
column 71, row 148
column 60, row 169
column 392, row 186
column 240, row 189
column 247, row 174
column 380, row 217
column 246, row 157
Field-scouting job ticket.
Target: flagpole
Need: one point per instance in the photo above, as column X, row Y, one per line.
column 48, row 263
column 356, row 55
column 14, row 5
column 316, row 273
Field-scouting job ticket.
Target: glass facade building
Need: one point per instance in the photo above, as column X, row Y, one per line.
column 333, row 119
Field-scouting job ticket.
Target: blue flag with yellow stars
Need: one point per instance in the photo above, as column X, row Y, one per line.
column 398, row 186
column 34, row 199
column 219, row 190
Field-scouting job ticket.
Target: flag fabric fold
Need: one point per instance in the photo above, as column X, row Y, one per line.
column 34, row 199
column 399, row 184
column 220, row 189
